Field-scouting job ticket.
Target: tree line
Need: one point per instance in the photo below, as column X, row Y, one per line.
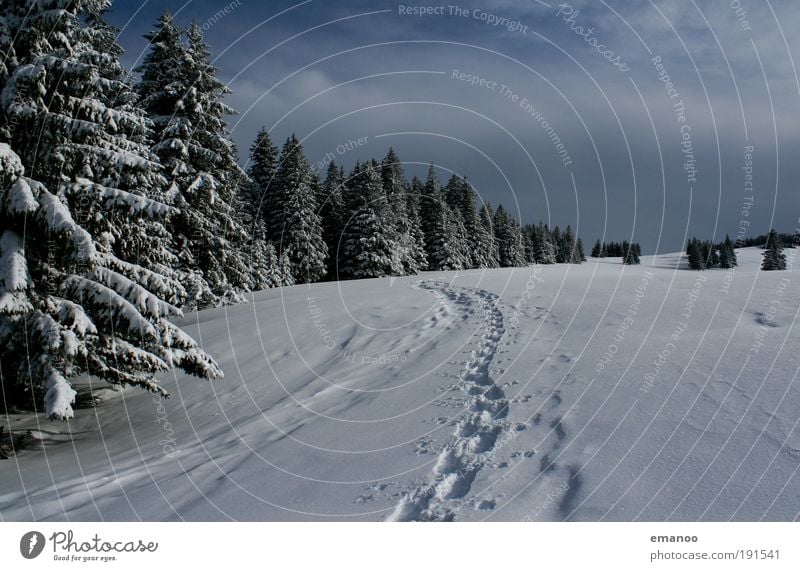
column 704, row 254
column 122, row 203
column 628, row 251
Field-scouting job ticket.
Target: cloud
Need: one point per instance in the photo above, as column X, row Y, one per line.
column 330, row 74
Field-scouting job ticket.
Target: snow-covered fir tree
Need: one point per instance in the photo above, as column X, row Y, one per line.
column 461, row 240
column 294, row 221
column 80, row 290
column 509, row 239
column 544, row 248
column 261, row 168
column 478, row 241
column 369, row 247
column 727, row 254
column 439, row 226
column 332, row 214
column 403, row 211
column 264, row 264
column 558, row 243
column 568, row 247
column 490, row 251
column 183, row 96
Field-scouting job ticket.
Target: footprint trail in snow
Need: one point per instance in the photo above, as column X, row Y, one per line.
column 479, row 427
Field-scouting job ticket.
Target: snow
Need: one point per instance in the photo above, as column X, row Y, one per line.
column 583, row 392
column 10, row 165
column 13, row 267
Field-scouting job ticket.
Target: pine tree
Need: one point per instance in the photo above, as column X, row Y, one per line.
column 558, row 243
column 774, row 258
column 712, row 255
column 368, row 246
column 569, row 246
column 596, row 249
column 545, row 250
column 332, row 214
column 724, row 257
column 477, row 238
column 261, row 170
column 490, row 251
column 529, row 241
column 452, row 194
column 295, row 225
column 181, row 93
column 81, row 290
column 403, row 214
column 579, row 256
column 696, row 260
column 259, row 253
column 509, row 239
column 630, row 253
column 728, row 254
column 415, row 258
column 438, row 225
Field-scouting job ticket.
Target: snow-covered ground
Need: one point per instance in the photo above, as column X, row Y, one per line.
column 591, row 392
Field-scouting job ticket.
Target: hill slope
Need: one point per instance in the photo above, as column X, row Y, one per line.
column 592, row 392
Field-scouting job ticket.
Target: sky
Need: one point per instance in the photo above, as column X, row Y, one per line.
column 651, row 121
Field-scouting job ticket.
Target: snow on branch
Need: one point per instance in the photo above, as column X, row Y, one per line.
column 14, row 277
column 117, row 198
column 112, row 306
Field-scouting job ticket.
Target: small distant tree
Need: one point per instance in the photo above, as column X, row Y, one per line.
column 596, row 249
column 774, row 258
column 730, row 252
column 630, row 253
column 579, row 256
column 695, row 256
column 727, row 255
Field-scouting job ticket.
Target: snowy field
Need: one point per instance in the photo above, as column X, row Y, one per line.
column 590, row 392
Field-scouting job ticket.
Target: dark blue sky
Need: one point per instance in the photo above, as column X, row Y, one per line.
column 570, row 119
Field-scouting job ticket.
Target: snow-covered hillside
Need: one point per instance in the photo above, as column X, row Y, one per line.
column 581, row 392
